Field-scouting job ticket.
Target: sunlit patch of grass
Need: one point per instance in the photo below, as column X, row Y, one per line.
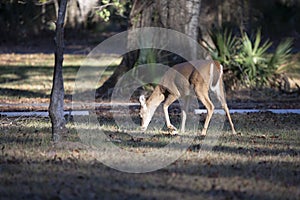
column 25, row 132
column 46, row 60
column 29, row 76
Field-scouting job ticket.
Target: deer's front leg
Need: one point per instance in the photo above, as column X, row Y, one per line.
column 168, row 102
column 186, row 104
column 168, row 122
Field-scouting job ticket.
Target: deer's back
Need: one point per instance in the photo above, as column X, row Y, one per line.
column 180, row 77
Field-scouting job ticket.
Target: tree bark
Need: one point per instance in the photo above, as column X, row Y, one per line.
column 137, row 20
column 56, row 107
column 192, row 27
column 182, row 16
column 78, row 12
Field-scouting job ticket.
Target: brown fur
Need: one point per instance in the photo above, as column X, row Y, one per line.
column 178, row 81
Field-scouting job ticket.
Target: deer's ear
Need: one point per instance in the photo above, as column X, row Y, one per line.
column 142, row 101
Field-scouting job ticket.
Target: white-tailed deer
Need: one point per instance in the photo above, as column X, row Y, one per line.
column 201, row 76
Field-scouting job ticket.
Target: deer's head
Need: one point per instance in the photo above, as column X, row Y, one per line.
column 145, row 113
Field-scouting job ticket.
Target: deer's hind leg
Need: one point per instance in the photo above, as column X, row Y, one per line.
column 202, row 94
column 221, row 97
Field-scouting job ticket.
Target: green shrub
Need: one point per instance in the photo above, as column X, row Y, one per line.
column 226, row 46
column 248, row 59
column 281, row 57
column 253, row 59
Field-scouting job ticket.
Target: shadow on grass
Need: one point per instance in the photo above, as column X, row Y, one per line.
column 71, row 178
column 13, row 76
column 45, row 171
column 22, row 93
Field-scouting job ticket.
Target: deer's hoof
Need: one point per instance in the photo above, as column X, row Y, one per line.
column 239, row 133
column 203, row 133
column 172, row 128
column 173, row 132
column 143, row 129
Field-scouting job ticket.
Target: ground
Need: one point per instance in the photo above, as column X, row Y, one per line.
column 261, row 162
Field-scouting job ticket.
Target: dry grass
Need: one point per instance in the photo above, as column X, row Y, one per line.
column 262, row 163
column 27, row 78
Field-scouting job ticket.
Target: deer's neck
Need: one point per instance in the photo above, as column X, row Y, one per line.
column 155, row 99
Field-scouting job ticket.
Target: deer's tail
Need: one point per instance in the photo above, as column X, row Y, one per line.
column 216, row 73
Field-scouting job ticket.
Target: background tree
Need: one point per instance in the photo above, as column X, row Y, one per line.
column 79, row 12
column 194, row 18
column 273, row 15
column 182, row 15
column 56, row 108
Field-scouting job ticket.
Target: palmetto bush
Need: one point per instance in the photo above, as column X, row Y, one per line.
column 225, row 49
column 226, row 46
column 248, row 58
column 253, row 59
column 279, row 61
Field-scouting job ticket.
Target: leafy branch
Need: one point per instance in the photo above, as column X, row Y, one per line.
column 108, row 6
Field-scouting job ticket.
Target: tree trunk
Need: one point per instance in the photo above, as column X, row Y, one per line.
column 78, row 12
column 56, row 7
column 182, row 16
column 220, row 17
column 56, row 108
column 192, row 27
column 127, row 63
column 137, row 20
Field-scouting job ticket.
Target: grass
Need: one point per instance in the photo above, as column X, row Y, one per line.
column 28, row 77
column 262, row 163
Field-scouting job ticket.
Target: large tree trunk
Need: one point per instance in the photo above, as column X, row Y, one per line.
column 56, row 108
column 182, row 16
column 137, row 20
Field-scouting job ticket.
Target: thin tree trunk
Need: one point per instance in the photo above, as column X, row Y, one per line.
column 220, row 15
column 192, row 27
column 56, row 6
column 56, row 108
